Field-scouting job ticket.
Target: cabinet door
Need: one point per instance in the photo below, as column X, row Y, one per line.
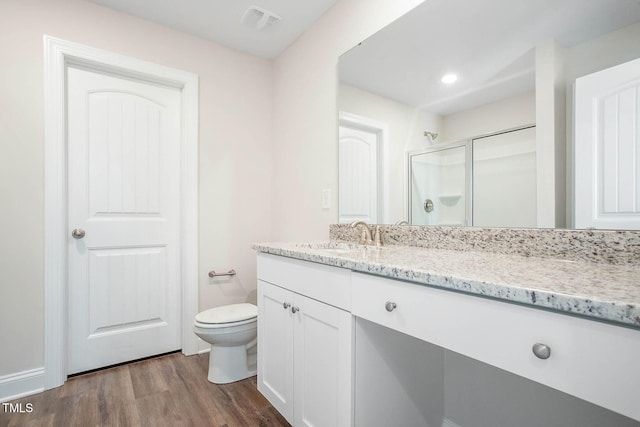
column 322, row 364
column 275, row 347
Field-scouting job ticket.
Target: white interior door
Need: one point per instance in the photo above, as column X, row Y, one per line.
column 607, row 148
column 358, row 175
column 124, row 193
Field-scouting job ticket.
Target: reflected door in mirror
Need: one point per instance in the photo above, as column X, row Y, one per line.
column 607, row 148
column 358, row 175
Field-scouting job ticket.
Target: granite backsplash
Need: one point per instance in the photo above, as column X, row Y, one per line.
column 600, row 246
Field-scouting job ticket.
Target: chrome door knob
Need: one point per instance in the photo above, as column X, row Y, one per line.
column 390, row 306
column 541, row 351
column 295, row 309
column 286, row 305
column 78, row 233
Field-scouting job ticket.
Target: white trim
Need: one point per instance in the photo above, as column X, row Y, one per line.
column 446, row 422
column 382, row 130
column 206, row 350
column 58, row 54
column 20, row 384
column 203, row 346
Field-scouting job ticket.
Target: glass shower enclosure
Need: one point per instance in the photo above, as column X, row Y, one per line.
column 488, row 181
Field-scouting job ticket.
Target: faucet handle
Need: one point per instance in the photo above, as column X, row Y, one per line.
column 377, row 238
column 363, row 236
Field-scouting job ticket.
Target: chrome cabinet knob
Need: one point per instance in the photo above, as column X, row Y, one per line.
column 390, row 306
column 77, row 233
column 286, row 305
column 295, row 309
column 541, row 351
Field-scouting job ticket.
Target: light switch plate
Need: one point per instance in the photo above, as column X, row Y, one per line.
column 326, row 198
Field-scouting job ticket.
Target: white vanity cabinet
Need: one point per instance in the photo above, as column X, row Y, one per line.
column 305, row 341
column 338, row 348
column 591, row 360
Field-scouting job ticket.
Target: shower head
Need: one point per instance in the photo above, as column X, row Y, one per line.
column 432, row 136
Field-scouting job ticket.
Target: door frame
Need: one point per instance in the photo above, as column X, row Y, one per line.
column 58, row 55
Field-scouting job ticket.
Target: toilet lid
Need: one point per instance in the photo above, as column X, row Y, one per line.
column 228, row 313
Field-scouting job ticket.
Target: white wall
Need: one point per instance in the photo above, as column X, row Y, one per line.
column 235, row 154
column 305, row 114
column 551, row 135
column 496, row 116
column 603, row 52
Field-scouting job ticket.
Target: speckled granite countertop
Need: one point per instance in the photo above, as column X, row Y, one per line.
column 599, row 291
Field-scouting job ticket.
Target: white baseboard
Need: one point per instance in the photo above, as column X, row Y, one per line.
column 203, row 346
column 20, row 384
column 446, row 422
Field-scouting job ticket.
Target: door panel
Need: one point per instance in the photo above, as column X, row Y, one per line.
column 275, row 347
column 607, row 148
column 124, row 192
column 322, row 365
column 124, row 131
column 358, row 175
column 123, row 295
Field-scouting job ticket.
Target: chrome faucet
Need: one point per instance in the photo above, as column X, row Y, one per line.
column 367, row 238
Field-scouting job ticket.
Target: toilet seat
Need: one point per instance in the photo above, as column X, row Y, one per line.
column 226, row 316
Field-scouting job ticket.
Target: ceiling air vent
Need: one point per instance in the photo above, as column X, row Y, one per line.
column 259, row 18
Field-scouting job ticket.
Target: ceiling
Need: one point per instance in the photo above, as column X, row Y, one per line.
column 220, row 20
column 489, row 44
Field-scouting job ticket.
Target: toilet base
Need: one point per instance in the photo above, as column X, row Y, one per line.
column 231, row 364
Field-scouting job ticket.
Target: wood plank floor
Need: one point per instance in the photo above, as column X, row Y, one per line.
column 170, row 390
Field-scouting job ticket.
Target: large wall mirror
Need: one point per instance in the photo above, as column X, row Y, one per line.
column 461, row 113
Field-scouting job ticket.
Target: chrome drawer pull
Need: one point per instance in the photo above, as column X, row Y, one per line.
column 390, row 306
column 286, row 305
column 541, row 351
column 295, row 309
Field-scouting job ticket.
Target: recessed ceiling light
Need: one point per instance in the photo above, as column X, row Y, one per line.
column 449, row 78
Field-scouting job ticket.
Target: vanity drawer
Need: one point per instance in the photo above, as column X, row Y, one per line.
column 331, row 285
column 592, row 360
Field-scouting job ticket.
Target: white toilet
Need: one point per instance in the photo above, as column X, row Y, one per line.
column 231, row 330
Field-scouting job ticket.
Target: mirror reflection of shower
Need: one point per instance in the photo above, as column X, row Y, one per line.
column 486, row 180
column 438, row 186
